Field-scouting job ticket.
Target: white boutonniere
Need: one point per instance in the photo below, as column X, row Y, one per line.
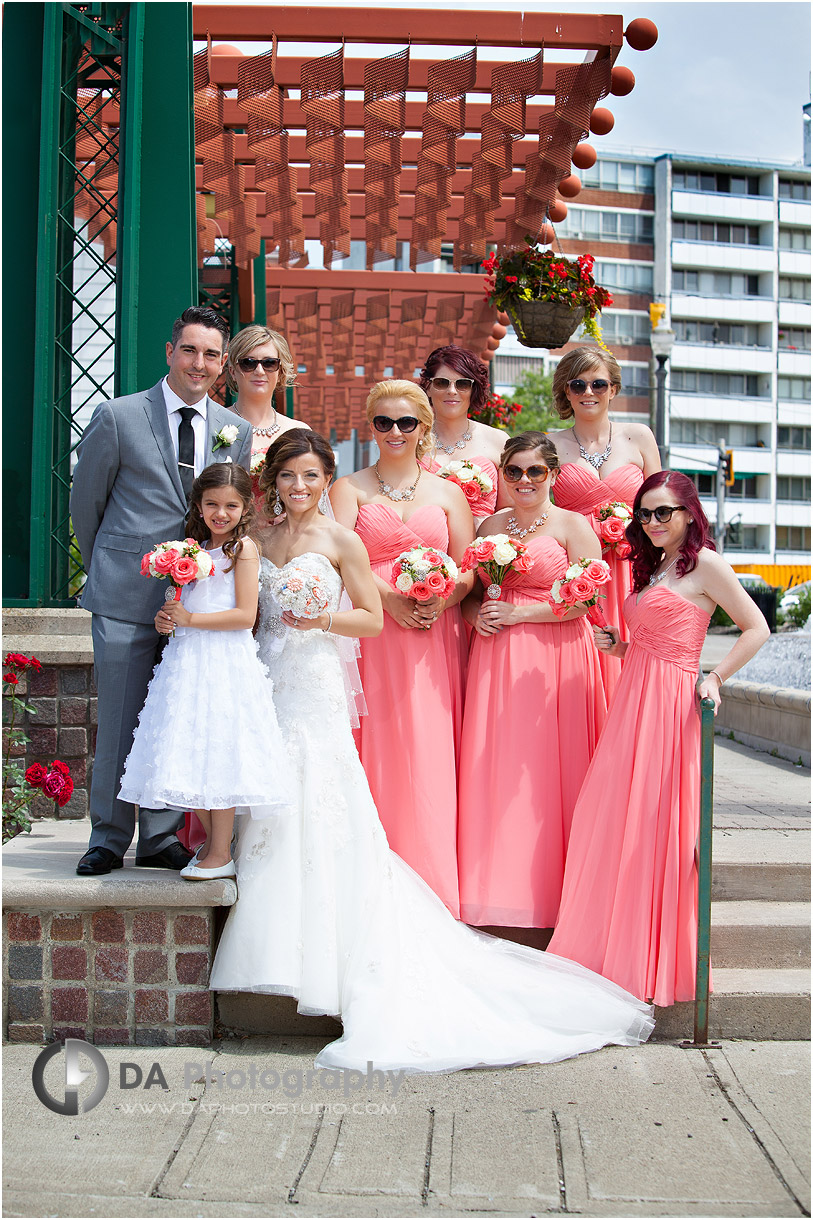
column 226, row 436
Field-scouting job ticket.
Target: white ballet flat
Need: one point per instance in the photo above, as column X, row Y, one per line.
column 193, row 872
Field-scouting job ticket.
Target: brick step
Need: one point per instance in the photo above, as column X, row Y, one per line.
column 758, row 1005
column 772, row 865
column 760, row 935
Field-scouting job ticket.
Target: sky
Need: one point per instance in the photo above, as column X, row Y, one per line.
column 724, row 79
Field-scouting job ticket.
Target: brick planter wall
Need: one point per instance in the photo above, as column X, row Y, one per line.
column 115, row 978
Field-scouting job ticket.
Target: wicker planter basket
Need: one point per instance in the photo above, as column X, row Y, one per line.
column 544, row 323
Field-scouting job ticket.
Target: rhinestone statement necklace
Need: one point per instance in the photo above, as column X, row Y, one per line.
column 513, row 529
column 657, row 577
column 596, row 460
column 391, row 493
column 269, row 431
column 449, row 449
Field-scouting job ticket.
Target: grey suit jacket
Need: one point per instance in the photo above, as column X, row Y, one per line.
column 127, row 497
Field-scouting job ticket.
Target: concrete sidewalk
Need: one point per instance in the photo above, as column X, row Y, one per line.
column 658, row 1131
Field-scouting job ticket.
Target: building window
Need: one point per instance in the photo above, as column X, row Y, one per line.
column 794, row 239
column 793, row 389
column 740, row 537
column 743, row 489
column 737, row 385
column 625, row 329
column 793, row 538
column 710, row 432
column 790, row 437
column 716, row 232
column 718, row 184
column 716, row 283
column 790, row 189
column 620, row 176
column 793, row 487
column 624, row 277
column 595, row 225
column 744, row 334
column 706, row 484
column 794, row 338
column 792, row 288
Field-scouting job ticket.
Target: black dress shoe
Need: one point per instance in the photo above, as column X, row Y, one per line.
column 174, row 855
column 97, row 861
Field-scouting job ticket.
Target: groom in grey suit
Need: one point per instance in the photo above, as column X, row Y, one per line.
column 137, row 460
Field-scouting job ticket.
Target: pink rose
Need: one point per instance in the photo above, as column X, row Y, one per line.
column 145, row 566
column 560, row 609
column 184, row 570
column 470, row 559
column 436, row 581
column 597, row 572
column 421, row 591
column 471, row 491
column 623, row 550
column 582, row 587
column 433, row 557
column 613, row 529
column 485, row 550
column 567, row 595
column 66, row 793
column 396, row 572
column 165, row 561
column 54, row 783
column 523, row 563
column 448, row 588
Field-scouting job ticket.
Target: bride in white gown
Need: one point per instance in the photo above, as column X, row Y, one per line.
column 326, row 912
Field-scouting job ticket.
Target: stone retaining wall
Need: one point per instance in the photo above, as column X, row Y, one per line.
column 770, row 718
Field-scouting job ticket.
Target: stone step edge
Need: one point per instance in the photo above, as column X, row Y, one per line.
column 759, row 913
column 116, row 890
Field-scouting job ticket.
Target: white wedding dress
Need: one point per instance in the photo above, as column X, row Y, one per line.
column 327, row 913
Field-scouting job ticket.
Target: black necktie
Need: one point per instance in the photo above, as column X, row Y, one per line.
column 186, row 449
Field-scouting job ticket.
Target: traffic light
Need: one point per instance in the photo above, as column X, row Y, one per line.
column 728, row 467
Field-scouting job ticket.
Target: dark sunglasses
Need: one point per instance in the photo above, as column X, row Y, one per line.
column 578, row 385
column 249, row 363
column 407, row 423
column 536, row 474
column 662, row 513
column 462, row 384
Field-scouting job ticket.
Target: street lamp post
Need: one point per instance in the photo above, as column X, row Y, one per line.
column 662, row 341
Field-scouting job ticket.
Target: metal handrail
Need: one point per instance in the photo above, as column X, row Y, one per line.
column 703, row 975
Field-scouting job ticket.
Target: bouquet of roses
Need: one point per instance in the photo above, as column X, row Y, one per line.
column 55, row 782
column 255, row 470
column 423, row 572
column 613, row 519
column 178, row 562
column 471, row 478
column 299, row 590
column 497, row 555
column 580, row 586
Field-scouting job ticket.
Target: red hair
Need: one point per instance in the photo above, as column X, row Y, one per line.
column 466, row 364
column 646, row 557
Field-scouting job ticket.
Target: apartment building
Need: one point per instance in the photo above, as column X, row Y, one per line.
column 726, row 246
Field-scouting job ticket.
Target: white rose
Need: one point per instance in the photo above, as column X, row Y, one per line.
column 178, row 546
column 485, row 482
column 204, row 561
column 404, row 583
column 621, row 512
column 498, row 538
column 504, row 553
column 465, row 474
column 573, row 570
column 451, row 568
column 229, row 433
column 453, row 467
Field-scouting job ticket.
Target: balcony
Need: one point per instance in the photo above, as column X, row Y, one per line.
column 793, row 461
column 702, row 457
column 723, row 309
column 792, row 212
column 794, row 313
column 794, row 262
column 723, row 358
column 754, row 208
column 746, row 512
column 794, row 364
column 723, row 257
column 790, row 512
column 735, row 409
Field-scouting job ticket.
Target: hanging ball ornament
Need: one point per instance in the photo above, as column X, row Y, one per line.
column 492, row 344
column 225, row 48
column 499, row 331
column 602, row 121
column 503, row 318
column 570, row 186
column 546, row 235
column 487, row 355
column 641, row 34
column 622, row 81
column 584, row 156
column 557, row 211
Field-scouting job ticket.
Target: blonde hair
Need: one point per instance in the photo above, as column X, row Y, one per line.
column 255, row 336
column 415, row 395
column 579, row 361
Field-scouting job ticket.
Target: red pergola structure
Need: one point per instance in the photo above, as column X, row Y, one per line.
column 465, row 149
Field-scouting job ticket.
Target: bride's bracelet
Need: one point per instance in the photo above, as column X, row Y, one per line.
column 329, row 621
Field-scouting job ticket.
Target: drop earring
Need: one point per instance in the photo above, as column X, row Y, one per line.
column 277, row 506
column 324, row 503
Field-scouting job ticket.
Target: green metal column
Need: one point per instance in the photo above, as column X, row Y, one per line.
column 260, row 308
column 157, row 223
column 22, row 88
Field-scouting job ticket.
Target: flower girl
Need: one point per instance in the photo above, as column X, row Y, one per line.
column 207, row 737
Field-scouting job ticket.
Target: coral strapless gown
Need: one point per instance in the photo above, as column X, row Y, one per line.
column 629, row 901
column 413, row 683
column 581, row 490
column 534, row 709
column 484, row 504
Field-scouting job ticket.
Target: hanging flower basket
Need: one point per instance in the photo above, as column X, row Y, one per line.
column 546, row 295
column 544, row 323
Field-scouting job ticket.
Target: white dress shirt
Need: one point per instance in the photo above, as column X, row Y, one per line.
column 199, row 427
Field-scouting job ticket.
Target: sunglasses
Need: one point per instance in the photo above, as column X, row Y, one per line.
column 249, row 363
column 462, row 384
column 407, row 423
column 537, row 474
column 662, row 513
column 578, row 385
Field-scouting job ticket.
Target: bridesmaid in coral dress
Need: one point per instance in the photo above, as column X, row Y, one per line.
column 456, row 382
column 534, row 708
column 413, row 672
column 600, row 461
column 629, row 901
